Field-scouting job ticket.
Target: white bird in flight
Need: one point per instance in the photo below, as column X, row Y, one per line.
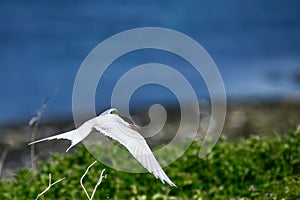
column 112, row 125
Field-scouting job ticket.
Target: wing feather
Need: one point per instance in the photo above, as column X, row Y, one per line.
column 75, row 136
column 116, row 128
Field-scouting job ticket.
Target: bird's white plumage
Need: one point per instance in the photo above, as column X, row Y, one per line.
column 113, row 126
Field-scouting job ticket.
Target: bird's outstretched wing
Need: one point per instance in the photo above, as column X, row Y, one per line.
column 116, row 128
column 75, row 136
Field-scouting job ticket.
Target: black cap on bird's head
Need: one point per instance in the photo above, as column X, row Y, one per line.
column 114, row 112
column 110, row 111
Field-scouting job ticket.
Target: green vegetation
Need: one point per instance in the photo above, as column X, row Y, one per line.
column 254, row 168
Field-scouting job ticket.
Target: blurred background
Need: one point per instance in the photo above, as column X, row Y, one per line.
column 255, row 44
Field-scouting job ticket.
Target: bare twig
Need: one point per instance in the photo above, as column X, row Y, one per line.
column 96, row 186
column 34, row 123
column 49, row 186
column 2, row 158
column 99, row 182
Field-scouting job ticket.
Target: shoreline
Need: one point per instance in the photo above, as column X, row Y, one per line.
column 242, row 120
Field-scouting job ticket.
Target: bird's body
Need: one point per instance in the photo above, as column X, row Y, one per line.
column 113, row 126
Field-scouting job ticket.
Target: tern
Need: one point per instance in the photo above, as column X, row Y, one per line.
column 113, row 126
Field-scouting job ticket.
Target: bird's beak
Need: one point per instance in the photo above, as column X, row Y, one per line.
column 135, row 128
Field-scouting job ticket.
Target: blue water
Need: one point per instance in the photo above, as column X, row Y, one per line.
column 255, row 44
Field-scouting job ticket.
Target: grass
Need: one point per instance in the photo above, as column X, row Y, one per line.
column 253, row 168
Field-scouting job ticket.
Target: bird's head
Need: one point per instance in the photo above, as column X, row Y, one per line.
column 111, row 111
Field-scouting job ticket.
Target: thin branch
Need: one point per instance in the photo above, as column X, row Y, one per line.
column 96, row 186
column 34, row 123
column 2, row 158
column 99, row 182
column 49, row 186
column 81, row 179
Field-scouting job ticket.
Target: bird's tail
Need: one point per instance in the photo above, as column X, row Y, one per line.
column 73, row 136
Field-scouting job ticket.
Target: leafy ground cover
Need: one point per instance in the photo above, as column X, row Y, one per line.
column 252, row 168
